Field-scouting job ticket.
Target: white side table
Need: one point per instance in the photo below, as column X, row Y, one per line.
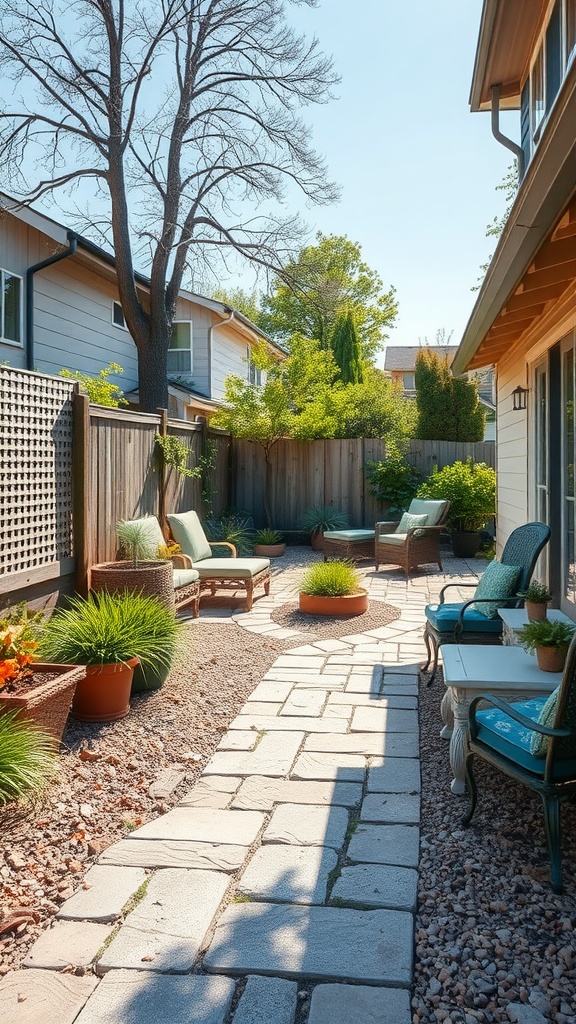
column 515, row 618
column 470, row 669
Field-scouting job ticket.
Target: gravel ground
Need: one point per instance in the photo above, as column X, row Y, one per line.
column 105, row 774
column 326, row 627
column 493, row 942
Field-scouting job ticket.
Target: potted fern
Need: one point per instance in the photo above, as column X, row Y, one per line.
column 140, row 568
column 332, row 588
column 536, row 598
column 269, row 543
column 549, row 640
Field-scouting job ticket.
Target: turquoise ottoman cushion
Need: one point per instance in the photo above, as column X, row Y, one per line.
column 351, row 536
column 443, row 618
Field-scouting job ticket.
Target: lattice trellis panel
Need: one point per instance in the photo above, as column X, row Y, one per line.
column 36, row 486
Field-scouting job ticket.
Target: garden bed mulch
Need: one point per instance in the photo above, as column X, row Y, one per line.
column 490, row 933
column 105, row 774
column 324, row 627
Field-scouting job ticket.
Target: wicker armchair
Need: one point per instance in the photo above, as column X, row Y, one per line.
column 419, row 545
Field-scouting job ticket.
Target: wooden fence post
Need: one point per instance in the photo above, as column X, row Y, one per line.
column 81, row 478
column 163, row 430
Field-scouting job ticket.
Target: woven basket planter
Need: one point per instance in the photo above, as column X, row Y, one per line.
column 155, row 579
column 49, row 703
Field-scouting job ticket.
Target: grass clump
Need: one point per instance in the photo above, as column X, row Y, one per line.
column 28, row 758
column 331, row 579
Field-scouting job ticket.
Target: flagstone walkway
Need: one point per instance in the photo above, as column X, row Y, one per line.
column 284, row 883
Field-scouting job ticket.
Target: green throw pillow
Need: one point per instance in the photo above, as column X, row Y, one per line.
column 496, row 582
column 409, row 522
column 564, row 748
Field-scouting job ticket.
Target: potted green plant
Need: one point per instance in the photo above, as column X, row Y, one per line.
column 536, row 598
column 27, row 757
column 319, row 518
column 269, row 543
column 30, row 689
column 140, row 568
column 332, row 588
column 470, row 487
column 110, row 634
column 550, row 641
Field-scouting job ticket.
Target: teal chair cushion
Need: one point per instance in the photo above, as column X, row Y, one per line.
column 410, row 522
column 443, row 619
column 351, row 536
column 499, row 582
column 425, row 506
column 188, row 533
column 502, row 734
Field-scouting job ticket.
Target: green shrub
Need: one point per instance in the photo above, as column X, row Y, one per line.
column 106, row 628
column 267, row 536
column 330, row 579
column 28, row 758
column 232, row 527
column 322, row 517
column 99, row 389
column 547, row 633
column 393, row 481
column 470, row 487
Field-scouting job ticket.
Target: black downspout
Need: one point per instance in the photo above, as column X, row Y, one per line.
column 73, row 240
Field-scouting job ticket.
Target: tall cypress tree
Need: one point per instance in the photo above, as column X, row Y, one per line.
column 448, row 407
column 346, row 348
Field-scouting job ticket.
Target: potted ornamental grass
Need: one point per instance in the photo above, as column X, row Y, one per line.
column 34, row 690
column 269, row 543
column 549, row 640
column 28, row 757
column 332, row 588
column 536, row 599
column 110, row 634
column 319, row 518
column 470, row 487
column 141, row 567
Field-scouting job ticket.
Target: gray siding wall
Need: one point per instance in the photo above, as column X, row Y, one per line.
column 201, row 320
column 228, row 356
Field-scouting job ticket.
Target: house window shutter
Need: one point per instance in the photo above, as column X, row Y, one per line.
column 553, row 55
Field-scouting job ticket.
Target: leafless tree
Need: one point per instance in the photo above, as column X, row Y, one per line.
column 184, row 115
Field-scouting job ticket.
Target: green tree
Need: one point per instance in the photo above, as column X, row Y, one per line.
column 374, row 408
column 448, row 407
column 99, row 389
column 244, row 301
column 346, row 348
column 508, row 185
column 326, row 279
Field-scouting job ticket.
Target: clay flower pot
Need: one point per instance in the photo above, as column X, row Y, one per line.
column 348, row 604
column 104, row 694
column 551, row 659
column 317, row 540
column 535, row 611
column 269, row 550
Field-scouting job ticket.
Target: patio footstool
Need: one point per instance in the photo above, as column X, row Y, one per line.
column 349, row 544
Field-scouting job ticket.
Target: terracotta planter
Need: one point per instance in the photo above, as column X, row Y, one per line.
column 104, row 694
column 349, row 604
column 154, row 578
column 551, row 659
column 465, row 545
column 535, row 612
column 269, row 550
column 48, row 703
column 317, row 540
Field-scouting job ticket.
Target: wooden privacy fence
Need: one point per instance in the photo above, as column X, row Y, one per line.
column 305, row 473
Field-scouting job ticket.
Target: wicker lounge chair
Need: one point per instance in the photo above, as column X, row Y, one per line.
column 535, row 748
column 462, row 623
column 217, row 573
column 419, row 545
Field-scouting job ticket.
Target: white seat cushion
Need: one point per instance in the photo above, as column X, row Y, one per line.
column 230, row 568
column 184, row 577
column 397, row 539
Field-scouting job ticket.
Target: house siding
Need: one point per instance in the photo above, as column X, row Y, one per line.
column 228, row 356
column 512, row 451
column 201, row 321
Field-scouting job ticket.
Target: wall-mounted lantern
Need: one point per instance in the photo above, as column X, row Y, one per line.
column 519, row 396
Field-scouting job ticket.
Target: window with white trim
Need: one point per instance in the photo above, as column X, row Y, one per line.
column 554, row 51
column 180, row 349
column 118, row 316
column 11, row 295
column 409, row 381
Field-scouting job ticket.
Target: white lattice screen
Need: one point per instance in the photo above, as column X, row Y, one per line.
column 36, row 491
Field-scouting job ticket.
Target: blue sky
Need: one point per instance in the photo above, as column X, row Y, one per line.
column 418, row 171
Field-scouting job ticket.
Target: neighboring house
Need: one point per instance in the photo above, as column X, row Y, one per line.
column 400, row 364
column 60, row 308
column 524, row 320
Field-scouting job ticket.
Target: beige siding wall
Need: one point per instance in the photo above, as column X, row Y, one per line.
column 512, row 451
column 201, row 320
column 228, row 356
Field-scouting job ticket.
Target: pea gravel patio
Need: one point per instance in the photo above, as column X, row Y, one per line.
column 291, row 863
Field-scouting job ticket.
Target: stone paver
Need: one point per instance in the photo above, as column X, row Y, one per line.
column 305, row 702
column 129, row 997
column 270, row 691
column 108, row 890
column 359, row 1004
column 334, row 767
column 68, row 942
column 288, row 874
column 165, row 783
column 166, row 930
column 385, row 844
column 175, row 853
column 31, row 996
column 396, row 775
column 384, row 720
column 373, row 700
column 208, row 825
column 241, row 739
column 211, row 791
column 267, row 1001
column 273, row 756
column 311, row 825
column 371, row 744
column 284, row 723
column 372, row 946
column 377, row 885
column 259, row 793
column 391, row 808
